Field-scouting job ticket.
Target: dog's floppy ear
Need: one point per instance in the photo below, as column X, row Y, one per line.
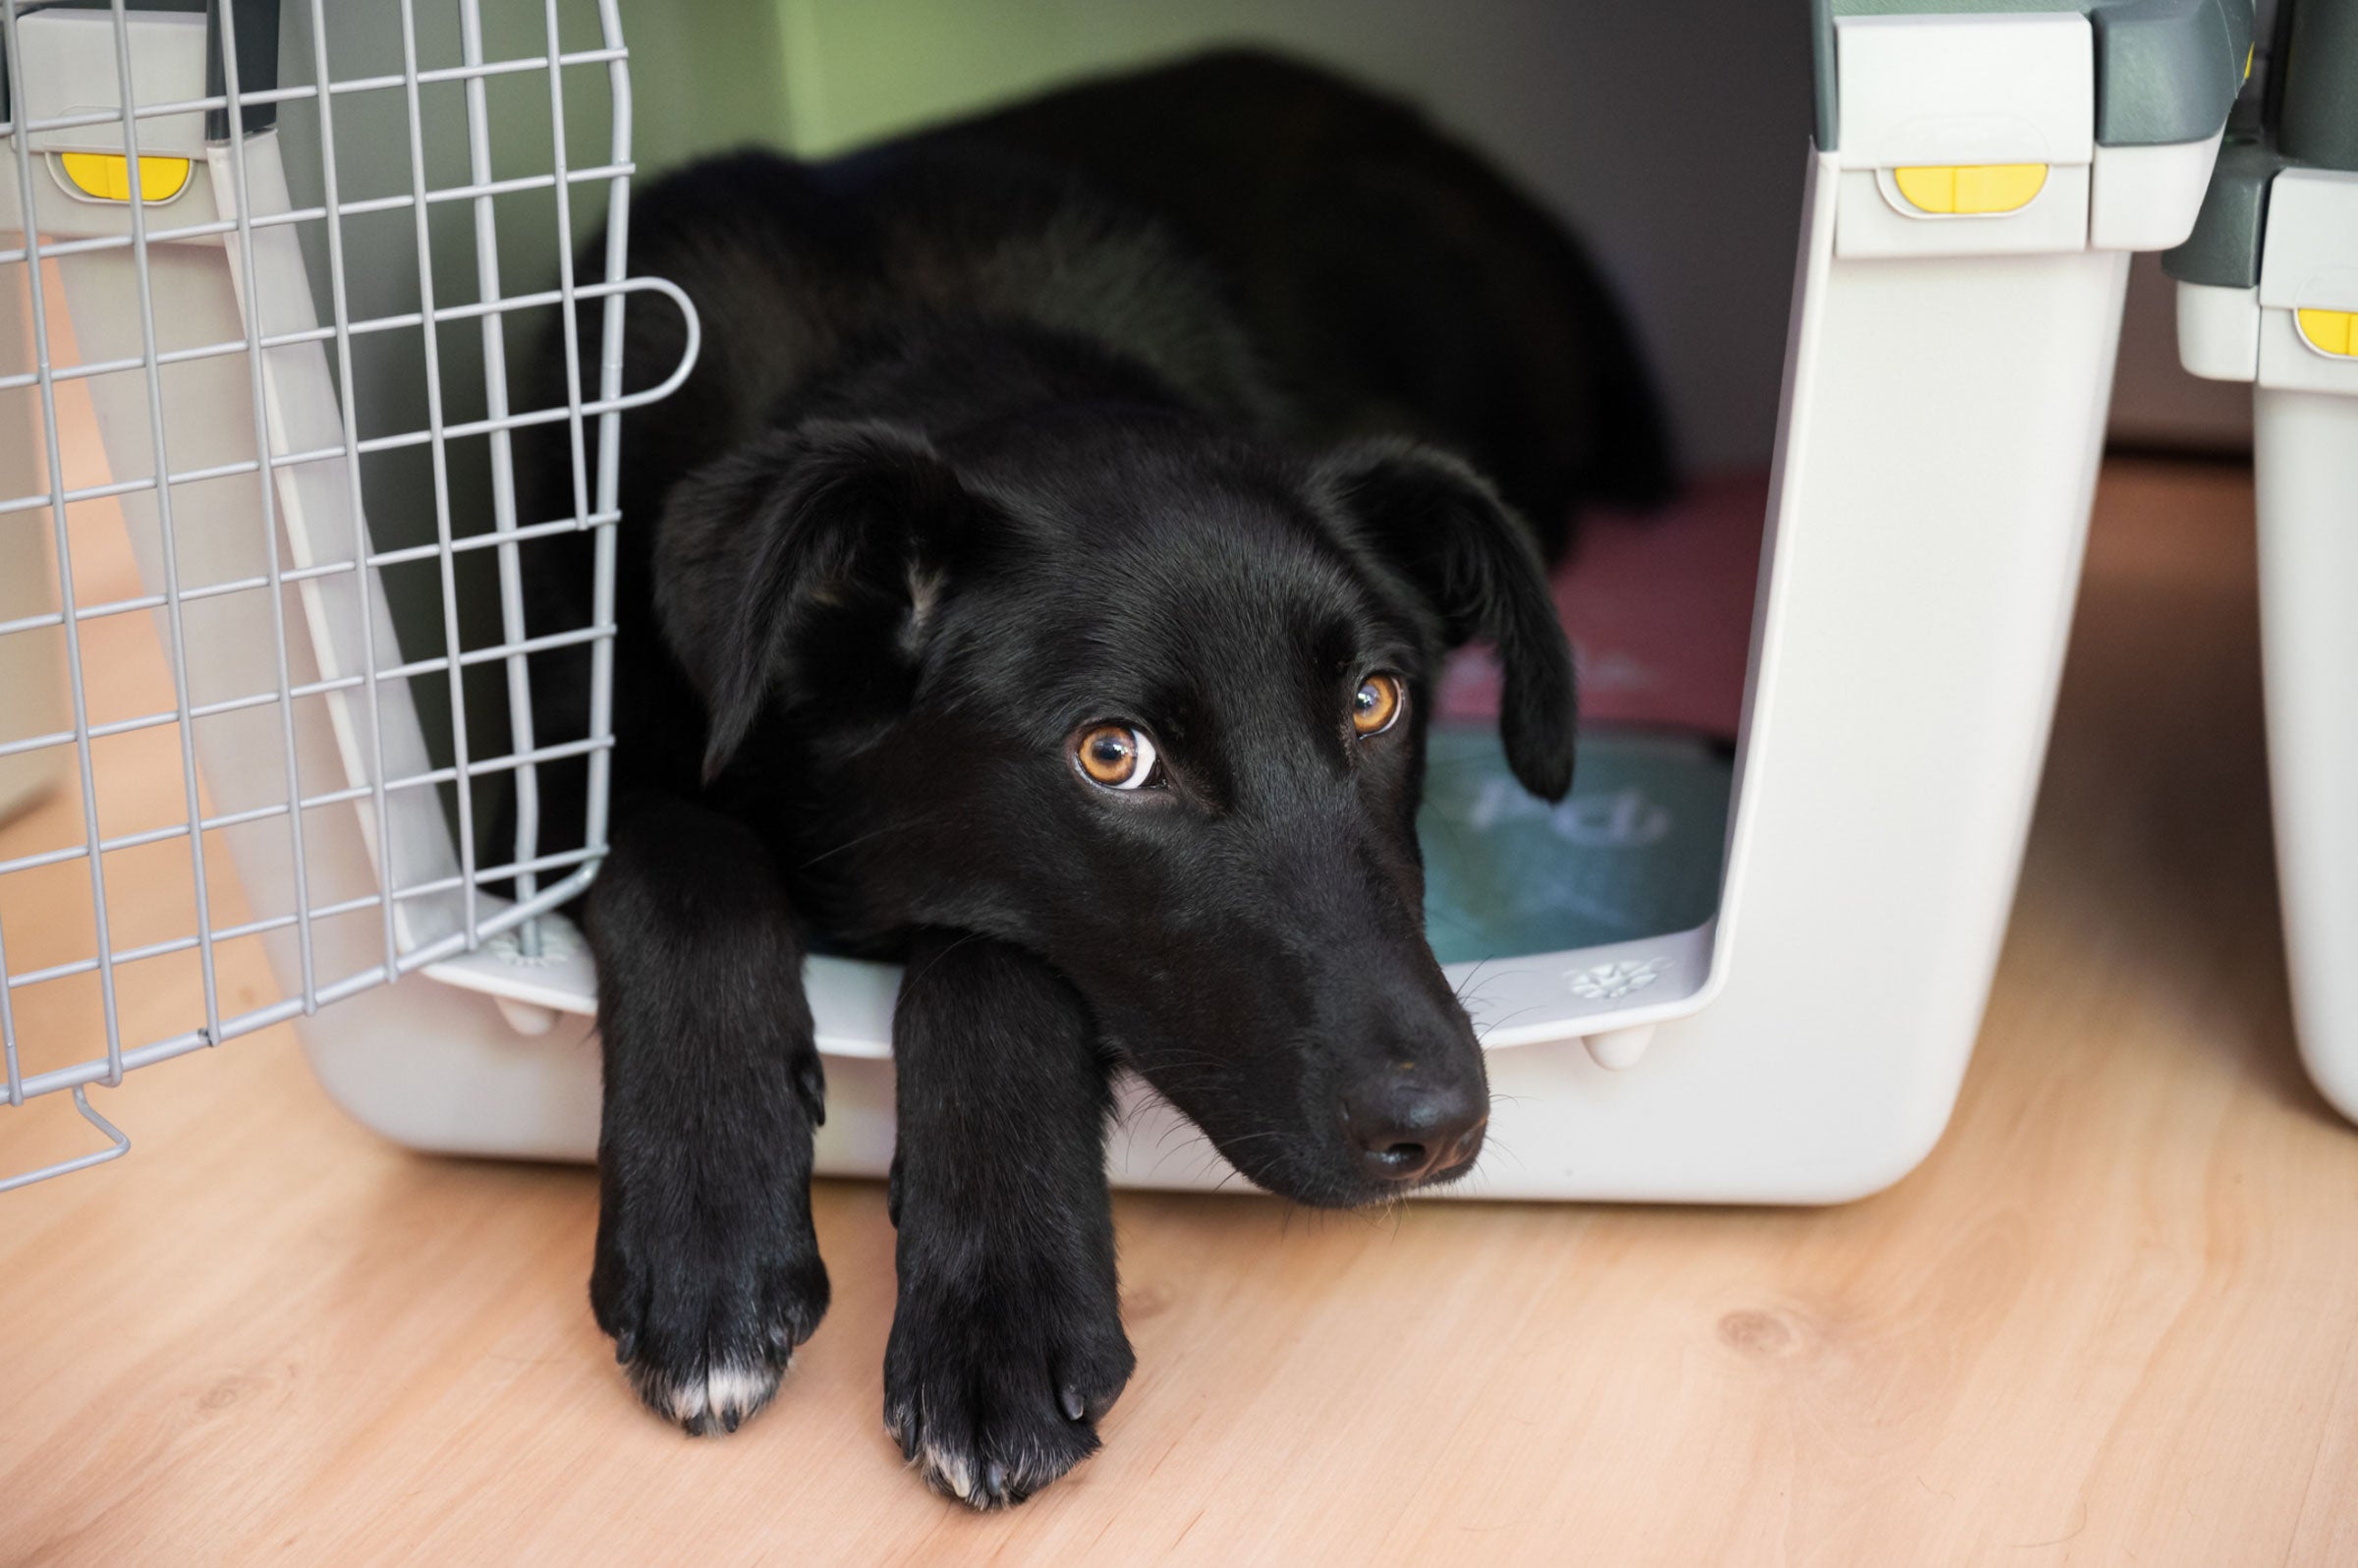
column 822, row 545
column 1439, row 524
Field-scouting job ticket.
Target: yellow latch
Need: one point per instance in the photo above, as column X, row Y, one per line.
column 1971, row 186
column 2331, row 331
column 107, row 176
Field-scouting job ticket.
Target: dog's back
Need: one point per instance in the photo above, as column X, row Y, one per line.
column 1279, row 243
column 1394, row 278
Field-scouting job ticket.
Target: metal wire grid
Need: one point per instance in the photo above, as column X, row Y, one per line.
column 593, row 509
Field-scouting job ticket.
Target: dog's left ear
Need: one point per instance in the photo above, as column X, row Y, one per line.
column 1439, row 524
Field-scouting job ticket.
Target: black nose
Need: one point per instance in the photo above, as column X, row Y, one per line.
column 1406, row 1129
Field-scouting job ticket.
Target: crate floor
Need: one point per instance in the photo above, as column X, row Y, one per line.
column 2113, row 1317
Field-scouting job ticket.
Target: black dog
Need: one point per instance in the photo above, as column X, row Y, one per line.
column 1011, row 613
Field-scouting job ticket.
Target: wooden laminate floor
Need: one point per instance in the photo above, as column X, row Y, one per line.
column 2110, row 1319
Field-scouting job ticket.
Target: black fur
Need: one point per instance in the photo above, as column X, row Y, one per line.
column 707, row 1274
column 1392, row 279
column 1007, row 1345
column 978, row 455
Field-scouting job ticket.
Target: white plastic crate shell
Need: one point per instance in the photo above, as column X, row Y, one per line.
column 1906, row 648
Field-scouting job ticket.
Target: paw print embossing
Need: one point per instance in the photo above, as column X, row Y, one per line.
column 1609, row 983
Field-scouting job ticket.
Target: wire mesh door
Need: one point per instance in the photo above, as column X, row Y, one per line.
column 264, row 382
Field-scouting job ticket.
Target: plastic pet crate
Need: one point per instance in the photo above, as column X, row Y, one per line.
column 1751, row 976
column 2268, row 293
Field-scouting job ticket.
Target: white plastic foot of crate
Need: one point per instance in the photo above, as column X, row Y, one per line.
column 1618, row 1049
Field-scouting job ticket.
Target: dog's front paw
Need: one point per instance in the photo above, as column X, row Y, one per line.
column 706, row 1302
column 993, row 1390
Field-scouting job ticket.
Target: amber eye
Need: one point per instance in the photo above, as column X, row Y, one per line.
column 1377, row 704
column 1117, row 757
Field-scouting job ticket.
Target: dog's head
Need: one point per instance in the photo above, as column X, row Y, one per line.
column 1151, row 702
